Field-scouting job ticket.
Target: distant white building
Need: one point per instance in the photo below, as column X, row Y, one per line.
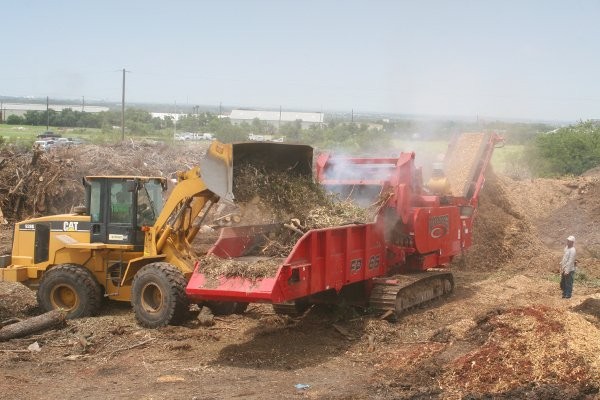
column 19, row 109
column 277, row 118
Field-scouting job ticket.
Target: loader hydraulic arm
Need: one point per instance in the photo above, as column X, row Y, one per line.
column 187, row 200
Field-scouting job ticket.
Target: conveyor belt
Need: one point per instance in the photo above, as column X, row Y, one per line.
column 462, row 161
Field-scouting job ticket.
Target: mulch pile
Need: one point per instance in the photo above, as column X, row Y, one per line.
column 529, row 352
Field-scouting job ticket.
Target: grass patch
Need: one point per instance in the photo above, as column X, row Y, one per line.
column 581, row 278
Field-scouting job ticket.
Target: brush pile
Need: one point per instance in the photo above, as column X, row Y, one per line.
column 278, row 196
column 41, row 183
column 36, row 184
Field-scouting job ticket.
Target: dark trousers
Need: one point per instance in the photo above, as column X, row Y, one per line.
column 566, row 284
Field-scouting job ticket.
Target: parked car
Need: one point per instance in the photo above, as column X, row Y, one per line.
column 43, row 145
column 68, row 141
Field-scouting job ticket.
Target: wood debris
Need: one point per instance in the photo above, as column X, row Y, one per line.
column 249, row 268
column 51, row 319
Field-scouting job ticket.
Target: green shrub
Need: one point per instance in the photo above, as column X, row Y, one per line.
column 567, row 151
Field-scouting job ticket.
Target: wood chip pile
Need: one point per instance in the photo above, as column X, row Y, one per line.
column 502, row 236
column 561, row 350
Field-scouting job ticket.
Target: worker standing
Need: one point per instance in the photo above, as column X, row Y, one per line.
column 567, row 268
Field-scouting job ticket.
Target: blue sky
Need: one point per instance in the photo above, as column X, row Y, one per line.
column 506, row 59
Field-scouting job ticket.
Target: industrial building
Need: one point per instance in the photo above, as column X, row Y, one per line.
column 277, row 118
column 19, row 109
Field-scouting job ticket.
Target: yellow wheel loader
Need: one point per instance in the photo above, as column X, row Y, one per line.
column 129, row 244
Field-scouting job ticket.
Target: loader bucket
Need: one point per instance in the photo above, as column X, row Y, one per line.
column 216, row 168
column 221, row 158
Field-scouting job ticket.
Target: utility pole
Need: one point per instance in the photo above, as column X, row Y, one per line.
column 352, row 117
column 279, row 123
column 219, row 109
column 82, row 103
column 47, row 114
column 123, row 109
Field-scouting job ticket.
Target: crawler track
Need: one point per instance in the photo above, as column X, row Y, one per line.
column 400, row 293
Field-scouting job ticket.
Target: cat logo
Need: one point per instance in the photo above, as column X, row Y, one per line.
column 70, row 226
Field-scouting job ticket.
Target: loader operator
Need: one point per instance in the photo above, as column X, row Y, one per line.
column 438, row 183
column 121, row 208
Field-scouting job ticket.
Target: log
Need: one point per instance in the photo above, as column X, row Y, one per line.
column 31, row 325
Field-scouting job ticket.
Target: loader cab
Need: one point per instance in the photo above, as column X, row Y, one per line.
column 119, row 208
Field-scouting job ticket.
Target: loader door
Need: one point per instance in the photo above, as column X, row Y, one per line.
column 112, row 205
column 120, row 213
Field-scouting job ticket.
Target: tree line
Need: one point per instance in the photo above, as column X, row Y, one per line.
column 549, row 152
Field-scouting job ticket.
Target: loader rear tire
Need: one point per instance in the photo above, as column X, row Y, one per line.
column 158, row 295
column 72, row 288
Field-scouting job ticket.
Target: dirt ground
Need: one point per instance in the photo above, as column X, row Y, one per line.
column 505, row 332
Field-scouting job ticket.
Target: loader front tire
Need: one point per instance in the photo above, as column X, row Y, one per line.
column 158, row 295
column 72, row 288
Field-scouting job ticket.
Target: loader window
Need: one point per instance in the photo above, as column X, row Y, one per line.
column 149, row 202
column 121, row 201
column 95, row 209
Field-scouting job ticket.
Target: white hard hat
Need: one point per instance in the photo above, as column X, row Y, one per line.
column 571, row 238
